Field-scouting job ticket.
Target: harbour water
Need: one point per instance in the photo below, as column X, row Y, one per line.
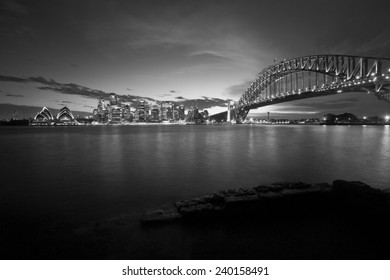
column 57, row 179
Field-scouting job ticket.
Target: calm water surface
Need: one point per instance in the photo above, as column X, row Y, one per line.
column 76, row 175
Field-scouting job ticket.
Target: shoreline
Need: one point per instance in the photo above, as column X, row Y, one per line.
column 285, row 220
column 272, row 198
column 192, row 124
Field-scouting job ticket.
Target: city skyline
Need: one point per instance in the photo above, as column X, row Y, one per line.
column 201, row 54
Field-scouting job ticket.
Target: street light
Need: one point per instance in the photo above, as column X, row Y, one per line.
column 387, row 118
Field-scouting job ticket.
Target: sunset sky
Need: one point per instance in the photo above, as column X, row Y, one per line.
column 56, row 53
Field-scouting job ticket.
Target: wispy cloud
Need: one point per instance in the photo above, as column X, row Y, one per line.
column 165, row 95
column 13, row 19
column 11, row 6
column 14, row 95
column 331, row 104
column 238, row 89
column 180, row 97
column 75, row 89
column 12, row 79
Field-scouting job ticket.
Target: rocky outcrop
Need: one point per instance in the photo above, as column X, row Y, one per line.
column 165, row 213
column 276, row 198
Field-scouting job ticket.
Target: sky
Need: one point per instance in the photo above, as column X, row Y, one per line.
column 201, row 53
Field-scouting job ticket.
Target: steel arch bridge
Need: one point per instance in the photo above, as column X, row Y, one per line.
column 314, row 76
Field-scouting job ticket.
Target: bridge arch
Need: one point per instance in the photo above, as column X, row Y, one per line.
column 313, row 76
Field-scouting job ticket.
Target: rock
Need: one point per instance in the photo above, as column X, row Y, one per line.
column 354, row 187
column 281, row 199
column 269, row 195
column 165, row 213
column 240, row 196
column 359, row 193
column 214, row 198
column 200, row 208
column 262, row 189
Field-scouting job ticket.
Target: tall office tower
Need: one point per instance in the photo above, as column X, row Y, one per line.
column 113, row 99
column 155, row 115
column 101, row 105
column 228, row 112
column 126, row 114
column 142, row 111
column 181, row 112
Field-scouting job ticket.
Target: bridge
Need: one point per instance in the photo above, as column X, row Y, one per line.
column 314, row 76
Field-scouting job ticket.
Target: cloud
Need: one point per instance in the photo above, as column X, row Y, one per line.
column 375, row 44
column 324, row 104
column 165, row 94
column 11, row 6
column 75, row 89
column 15, row 95
column 238, row 90
column 14, row 19
column 204, row 103
column 12, row 79
column 207, row 57
column 180, row 97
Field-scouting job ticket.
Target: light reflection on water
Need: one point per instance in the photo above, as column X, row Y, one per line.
column 90, row 173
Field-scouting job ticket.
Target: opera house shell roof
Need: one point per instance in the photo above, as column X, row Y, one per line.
column 45, row 117
column 65, row 115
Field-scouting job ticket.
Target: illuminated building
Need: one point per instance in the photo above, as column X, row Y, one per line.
column 65, row 115
column 44, row 117
column 113, row 100
column 115, row 115
column 126, row 114
column 155, row 114
column 101, row 114
column 181, row 112
column 142, row 111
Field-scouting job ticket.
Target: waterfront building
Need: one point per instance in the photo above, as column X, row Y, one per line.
column 44, row 117
column 114, row 111
column 155, row 115
column 127, row 116
column 114, row 100
column 101, row 105
column 190, row 115
column 164, row 111
column 181, row 111
column 101, row 114
column 142, row 111
column 115, row 115
column 65, row 115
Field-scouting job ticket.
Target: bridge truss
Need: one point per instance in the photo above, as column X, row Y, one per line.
column 314, row 76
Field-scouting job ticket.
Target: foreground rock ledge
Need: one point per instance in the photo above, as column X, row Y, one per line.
column 277, row 199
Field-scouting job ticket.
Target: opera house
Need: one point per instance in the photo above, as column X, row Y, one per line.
column 45, row 117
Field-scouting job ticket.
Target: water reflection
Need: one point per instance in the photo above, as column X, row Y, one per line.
column 82, row 173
